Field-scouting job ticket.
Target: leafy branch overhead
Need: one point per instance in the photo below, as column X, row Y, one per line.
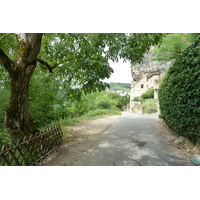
column 3, row 37
column 82, row 59
column 173, row 45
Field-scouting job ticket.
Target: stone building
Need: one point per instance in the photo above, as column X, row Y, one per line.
column 144, row 83
column 146, row 75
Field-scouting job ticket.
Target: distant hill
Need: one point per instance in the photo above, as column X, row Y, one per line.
column 125, row 87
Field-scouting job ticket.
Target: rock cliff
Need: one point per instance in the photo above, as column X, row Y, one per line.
column 148, row 67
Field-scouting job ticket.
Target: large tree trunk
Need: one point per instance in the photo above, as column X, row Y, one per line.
column 17, row 119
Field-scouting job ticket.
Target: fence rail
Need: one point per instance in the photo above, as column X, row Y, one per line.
column 33, row 149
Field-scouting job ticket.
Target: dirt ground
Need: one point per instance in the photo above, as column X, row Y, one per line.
column 78, row 138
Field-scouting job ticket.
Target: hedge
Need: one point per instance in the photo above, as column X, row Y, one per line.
column 179, row 94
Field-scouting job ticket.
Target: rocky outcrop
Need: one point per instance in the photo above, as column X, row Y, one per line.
column 148, row 67
column 144, row 76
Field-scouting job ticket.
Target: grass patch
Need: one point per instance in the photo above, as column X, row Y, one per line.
column 67, row 133
column 93, row 114
column 149, row 106
column 182, row 142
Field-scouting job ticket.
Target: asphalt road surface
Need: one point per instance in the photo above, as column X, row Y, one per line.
column 132, row 139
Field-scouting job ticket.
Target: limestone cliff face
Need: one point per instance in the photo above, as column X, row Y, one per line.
column 144, row 76
column 148, row 67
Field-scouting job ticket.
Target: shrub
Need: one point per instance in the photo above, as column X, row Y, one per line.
column 138, row 99
column 149, row 106
column 98, row 112
column 101, row 112
column 179, row 94
column 119, row 101
column 148, row 94
column 104, row 104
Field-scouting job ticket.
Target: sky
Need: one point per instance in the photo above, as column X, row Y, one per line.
column 122, row 72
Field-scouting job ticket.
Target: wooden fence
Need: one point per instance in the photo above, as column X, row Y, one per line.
column 33, row 149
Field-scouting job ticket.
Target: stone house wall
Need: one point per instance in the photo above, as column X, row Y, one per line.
column 146, row 75
column 143, row 85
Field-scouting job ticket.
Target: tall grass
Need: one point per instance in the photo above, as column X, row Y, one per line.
column 149, row 106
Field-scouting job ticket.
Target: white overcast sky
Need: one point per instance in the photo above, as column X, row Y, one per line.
column 122, row 72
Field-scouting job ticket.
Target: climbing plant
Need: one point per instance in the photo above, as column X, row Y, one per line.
column 179, row 94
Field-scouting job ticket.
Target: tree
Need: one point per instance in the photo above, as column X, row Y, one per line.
column 20, row 69
column 173, row 45
column 80, row 62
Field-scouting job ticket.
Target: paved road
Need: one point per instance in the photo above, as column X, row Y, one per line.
column 133, row 139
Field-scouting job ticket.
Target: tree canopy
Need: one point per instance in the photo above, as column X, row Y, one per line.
column 79, row 62
column 173, row 45
column 120, row 86
column 81, row 59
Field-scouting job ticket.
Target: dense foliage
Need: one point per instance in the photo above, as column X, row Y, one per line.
column 179, row 94
column 148, row 94
column 173, row 45
column 49, row 103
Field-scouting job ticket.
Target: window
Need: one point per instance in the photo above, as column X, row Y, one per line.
column 142, row 85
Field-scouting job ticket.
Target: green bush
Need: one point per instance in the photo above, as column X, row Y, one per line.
column 148, row 94
column 149, row 106
column 179, row 94
column 138, row 99
column 123, row 102
column 104, row 104
column 119, row 101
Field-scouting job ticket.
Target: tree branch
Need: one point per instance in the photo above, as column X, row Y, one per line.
column 29, row 47
column 5, row 60
column 50, row 68
column 35, row 41
column 5, row 36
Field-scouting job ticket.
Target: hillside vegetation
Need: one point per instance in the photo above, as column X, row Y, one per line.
column 49, row 107
column 124, row 87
